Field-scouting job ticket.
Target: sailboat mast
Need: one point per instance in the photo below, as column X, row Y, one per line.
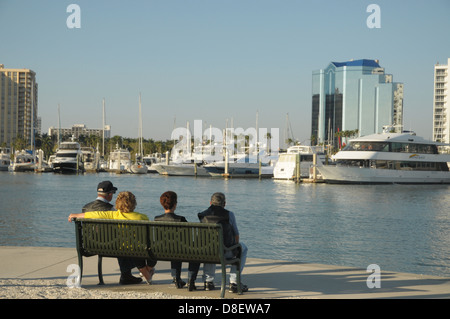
column 103, row 130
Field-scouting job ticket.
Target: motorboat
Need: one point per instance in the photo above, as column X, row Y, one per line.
column 286, row 166
column 119, row 160
column 90, row 159
column 24, row 161
column 389, row 158
column 242, row 165
column 182, row 169
column 68, row 159
column 138, row 168
column 5, row 158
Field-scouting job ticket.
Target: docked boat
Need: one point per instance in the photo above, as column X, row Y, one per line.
column 242, row 166
column 286, row 166
column 90, row 159
column 24, row 161
column 139, row 168
column 5, row 158
column 182, row 169
column 389, row 158
column 120, row 160
column 68, row 159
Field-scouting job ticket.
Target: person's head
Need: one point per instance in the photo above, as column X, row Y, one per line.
column 126, row 202
column 218, row 199
column 168, row 200
column 106, row 190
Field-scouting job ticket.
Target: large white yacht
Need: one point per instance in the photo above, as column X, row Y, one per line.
column 389, row 158
column 69, row 158
column 286, row 166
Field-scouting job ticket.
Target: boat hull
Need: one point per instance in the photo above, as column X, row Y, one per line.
column 183, row 170
column 67, row 167
column 138, row 169
column 362, row 175
column 239, row 170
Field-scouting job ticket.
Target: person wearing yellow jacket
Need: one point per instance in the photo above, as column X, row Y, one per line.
column 125, row 205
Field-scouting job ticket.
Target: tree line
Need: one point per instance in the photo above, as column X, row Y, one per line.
column 49, row 144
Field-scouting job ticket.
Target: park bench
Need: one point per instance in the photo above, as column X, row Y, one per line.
column 162, row 241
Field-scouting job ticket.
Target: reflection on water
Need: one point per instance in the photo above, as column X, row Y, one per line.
column 399, row 227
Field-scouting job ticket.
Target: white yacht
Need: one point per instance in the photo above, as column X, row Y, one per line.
column 388, row 158
column 5, row 158
column 24, row 161
column 182, row 169
column 90, row 159
column 120, row 160
column 286, row 166
column 68, row 159
column 243, row 165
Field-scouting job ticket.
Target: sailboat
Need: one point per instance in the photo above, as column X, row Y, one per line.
column 139, row 166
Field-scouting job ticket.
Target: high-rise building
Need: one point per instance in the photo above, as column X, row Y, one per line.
column 354, row 96
column 18, row 105
column 441, row 105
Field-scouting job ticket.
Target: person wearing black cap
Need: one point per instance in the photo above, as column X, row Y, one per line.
column 105, row 193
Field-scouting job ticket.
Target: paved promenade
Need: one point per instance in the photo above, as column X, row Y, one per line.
column 22, row 267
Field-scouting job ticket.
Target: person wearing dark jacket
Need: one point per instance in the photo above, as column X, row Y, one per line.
column 105, row 193
column 168, row 201
column 216, row 213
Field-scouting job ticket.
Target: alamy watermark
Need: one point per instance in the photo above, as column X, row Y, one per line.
column 374, row 19
column 74, row 280
column 374, row 279
column 214, row 143
column 74, row 19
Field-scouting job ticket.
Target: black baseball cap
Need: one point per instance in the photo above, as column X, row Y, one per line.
column 106, row 187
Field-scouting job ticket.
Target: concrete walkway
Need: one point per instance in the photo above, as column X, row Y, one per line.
column 272, row 279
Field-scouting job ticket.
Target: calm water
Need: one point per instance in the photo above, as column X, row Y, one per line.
column 402, row 228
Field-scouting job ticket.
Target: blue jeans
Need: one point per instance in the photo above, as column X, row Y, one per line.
column 209, row 270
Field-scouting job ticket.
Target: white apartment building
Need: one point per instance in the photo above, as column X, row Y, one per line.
column 441, row 105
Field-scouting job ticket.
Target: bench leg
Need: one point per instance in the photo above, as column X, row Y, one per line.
column 238, row 277
column 80, row 264
column 100, row 274
column 224, row 281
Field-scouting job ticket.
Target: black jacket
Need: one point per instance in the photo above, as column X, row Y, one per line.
column 97, row 206
column 219, row 215
column 170, row 217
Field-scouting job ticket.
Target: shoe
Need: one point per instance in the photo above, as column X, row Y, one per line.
column 234, row 288
column 191, row 285
column 209, row 285
column 129, row 280
column 179, row 283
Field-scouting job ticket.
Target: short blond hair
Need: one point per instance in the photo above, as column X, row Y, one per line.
column 126, row 202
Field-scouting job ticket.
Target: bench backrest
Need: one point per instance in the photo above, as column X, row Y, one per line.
column 197, row 242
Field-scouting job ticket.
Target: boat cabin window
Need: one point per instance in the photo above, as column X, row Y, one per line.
column 398, row 165
column 367, row 146
column 74, row 155
column 392, row 147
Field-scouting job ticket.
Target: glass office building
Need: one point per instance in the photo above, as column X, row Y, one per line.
column 354, row 95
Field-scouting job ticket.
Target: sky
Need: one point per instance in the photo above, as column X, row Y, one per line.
column 219, row 61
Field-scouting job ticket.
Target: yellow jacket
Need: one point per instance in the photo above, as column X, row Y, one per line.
column 115, row 215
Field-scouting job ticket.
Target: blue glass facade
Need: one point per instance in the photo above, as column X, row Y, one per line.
column 353, row 95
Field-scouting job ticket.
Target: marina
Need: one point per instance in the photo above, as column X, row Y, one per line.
column 398, row 227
